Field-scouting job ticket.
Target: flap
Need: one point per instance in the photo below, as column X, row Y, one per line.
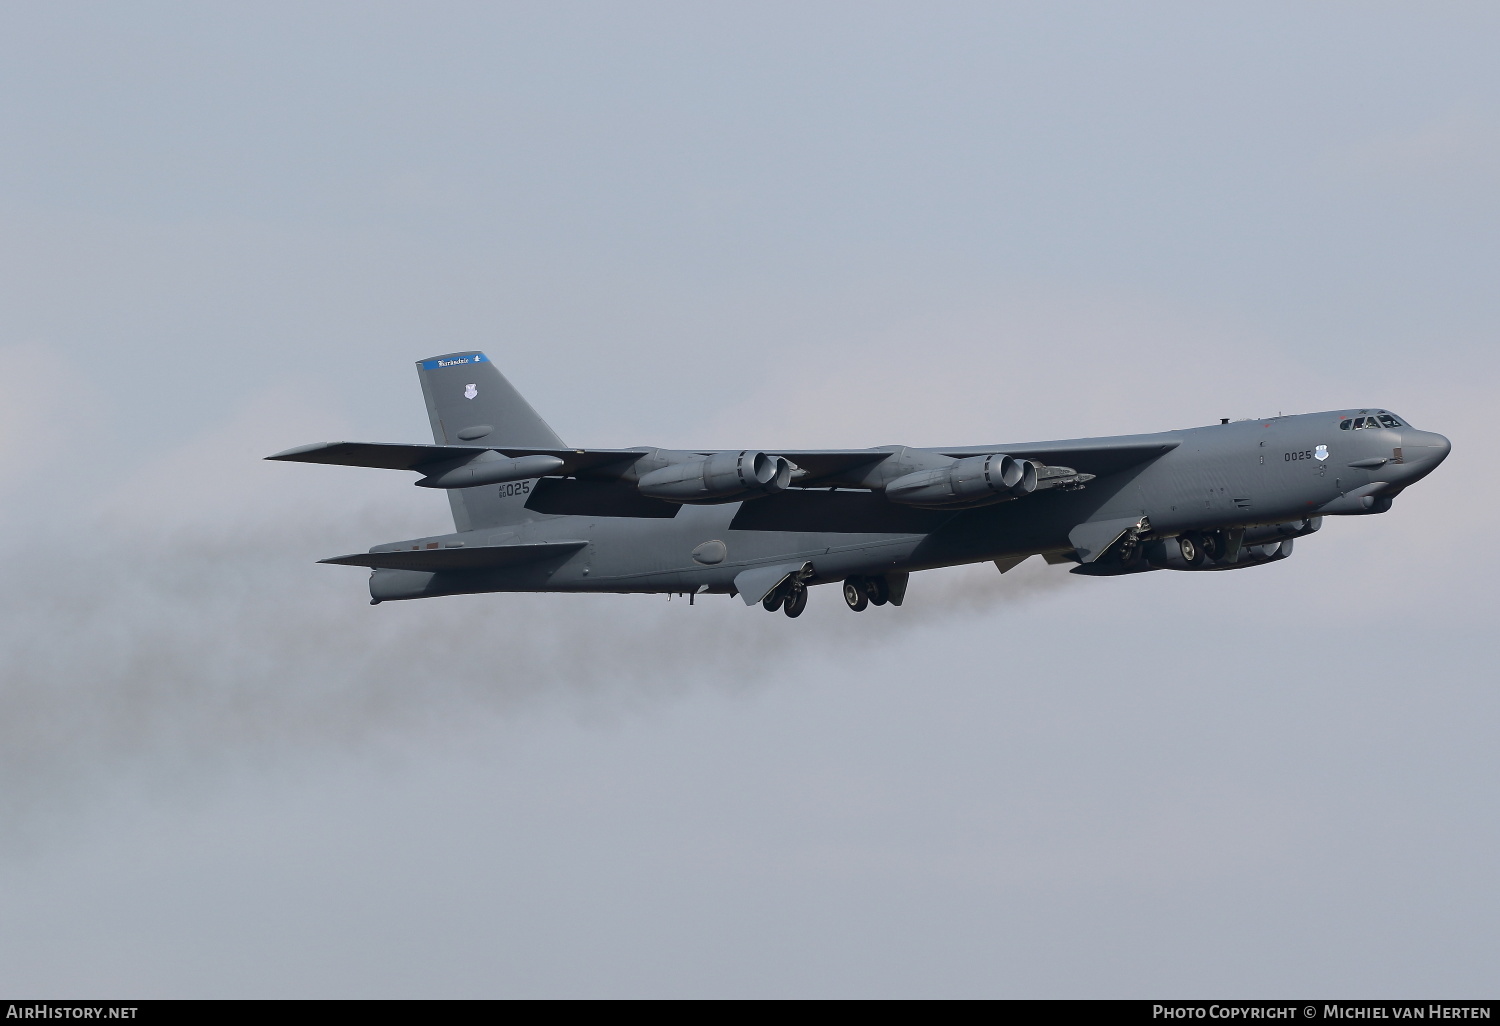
column 842, row 512
column 1005, row 564
column 754, row 585
column 1092, row 540
column 401, row 456
column 581, row 497
column 477, row 557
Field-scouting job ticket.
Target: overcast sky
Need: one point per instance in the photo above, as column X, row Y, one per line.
column 230, row 229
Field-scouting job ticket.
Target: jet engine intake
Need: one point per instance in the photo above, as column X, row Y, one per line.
column 973, row 480
column 722, row 477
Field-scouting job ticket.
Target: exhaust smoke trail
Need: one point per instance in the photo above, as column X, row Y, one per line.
column 157, row 657
column 176, row 624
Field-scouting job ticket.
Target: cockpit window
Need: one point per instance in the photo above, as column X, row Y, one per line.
column 1360, row 423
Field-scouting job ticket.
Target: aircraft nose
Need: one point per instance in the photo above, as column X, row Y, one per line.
column 1427, row 447
column 1421, row 452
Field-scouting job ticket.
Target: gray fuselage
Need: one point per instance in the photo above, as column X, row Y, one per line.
column 1221, row 478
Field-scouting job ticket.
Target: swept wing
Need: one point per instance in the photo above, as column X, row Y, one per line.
column 400, row 456
column 475, row 557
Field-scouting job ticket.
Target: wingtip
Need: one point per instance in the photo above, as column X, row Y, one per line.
column 293, row 453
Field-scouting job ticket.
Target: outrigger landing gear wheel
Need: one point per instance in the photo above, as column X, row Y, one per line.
column 878, row 590
column 855, row 594
column 773, row 601
column 796, row 599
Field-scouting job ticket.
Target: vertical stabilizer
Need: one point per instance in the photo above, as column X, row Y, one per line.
column 470, row 403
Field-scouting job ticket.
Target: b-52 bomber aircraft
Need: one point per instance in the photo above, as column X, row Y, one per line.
column 532, row 514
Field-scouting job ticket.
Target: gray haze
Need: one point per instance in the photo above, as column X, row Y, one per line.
column 225, row 231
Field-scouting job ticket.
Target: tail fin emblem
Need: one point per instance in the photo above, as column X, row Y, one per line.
column 470, row 391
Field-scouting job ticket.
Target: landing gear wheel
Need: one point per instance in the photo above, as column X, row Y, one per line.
column 1213, row 546
column 1192, row 551
column 796, row 600
column 878, row 590
column 855, row 594
column 773, row 601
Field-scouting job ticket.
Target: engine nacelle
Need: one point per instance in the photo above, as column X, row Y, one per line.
column 973, row 480
column 722, row 477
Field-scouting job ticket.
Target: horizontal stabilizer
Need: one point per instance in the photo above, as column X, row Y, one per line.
column 401, row 456
column 477, row 557
column 381, row 455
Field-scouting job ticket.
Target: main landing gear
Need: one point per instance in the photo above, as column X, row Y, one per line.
column 790, row 597
column 854, row 594
column 860, row 592
column 1198, row 549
